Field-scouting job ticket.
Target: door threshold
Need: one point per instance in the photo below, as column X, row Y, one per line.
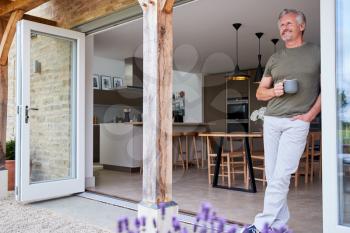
column 187, row 217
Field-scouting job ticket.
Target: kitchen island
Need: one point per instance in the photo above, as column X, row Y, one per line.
column 121, row 143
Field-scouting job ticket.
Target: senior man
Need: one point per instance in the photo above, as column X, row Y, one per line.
column 288, row 116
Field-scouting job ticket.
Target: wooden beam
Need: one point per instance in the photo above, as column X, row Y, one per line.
column 25, row 5
column 3, row 76
column 168, row 6
column 157, row 103
column 39, row 20
column 8, row 35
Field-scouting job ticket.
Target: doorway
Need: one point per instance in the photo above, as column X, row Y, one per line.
column 204, row 53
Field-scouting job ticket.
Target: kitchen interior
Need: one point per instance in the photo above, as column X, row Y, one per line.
column 205, row 99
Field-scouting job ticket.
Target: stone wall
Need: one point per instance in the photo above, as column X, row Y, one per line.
column 11, row 104
column 50, row 92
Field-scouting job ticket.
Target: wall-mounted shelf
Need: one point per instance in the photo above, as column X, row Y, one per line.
column 125, row 96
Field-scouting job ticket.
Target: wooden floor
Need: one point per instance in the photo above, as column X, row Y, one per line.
column 191, row 188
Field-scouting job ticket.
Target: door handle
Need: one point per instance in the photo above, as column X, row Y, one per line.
column 27, row 113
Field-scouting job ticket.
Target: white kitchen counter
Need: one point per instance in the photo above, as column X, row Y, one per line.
column 121, row 143
column 120, row 146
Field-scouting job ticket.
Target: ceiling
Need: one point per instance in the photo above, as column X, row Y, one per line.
column 204, row 39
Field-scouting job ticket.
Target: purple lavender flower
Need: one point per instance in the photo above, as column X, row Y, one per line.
column 232, row 229
column 162, row 208
column 176, row 224
column 137, row 223
column 120, row 225
column 283, row 230
column 204, row 217
column 206, row 210
column 198, row 218
column 266, row 229
column 154, row 223
column 195, row 226
column 126, row 222
column 221, row 225
column 143, row 221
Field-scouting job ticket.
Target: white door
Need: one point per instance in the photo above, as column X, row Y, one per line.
column 335, row 51
column 50, row 130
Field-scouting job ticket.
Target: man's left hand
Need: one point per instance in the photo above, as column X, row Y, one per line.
column 303, row 117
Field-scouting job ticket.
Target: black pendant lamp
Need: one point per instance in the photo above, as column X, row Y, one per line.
column 237, row 74
column 274, row 41
column 259, row 70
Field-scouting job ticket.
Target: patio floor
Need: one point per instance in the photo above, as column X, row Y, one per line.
column 191, row 188
column 64, row 215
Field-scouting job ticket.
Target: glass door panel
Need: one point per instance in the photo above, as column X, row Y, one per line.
column 51, row 114
column 343, row 107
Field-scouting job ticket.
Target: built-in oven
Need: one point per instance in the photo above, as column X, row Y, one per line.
column 237, row 114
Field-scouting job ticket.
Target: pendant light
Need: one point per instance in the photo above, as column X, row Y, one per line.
column 237, row 74
column 274, row 41
column 259, row 70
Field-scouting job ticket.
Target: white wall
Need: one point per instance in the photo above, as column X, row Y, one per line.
column 191, row 84
column 108, row 67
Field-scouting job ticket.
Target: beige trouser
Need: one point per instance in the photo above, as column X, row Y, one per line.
column 284, row 143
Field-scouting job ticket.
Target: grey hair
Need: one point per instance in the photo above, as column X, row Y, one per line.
column 301, row 19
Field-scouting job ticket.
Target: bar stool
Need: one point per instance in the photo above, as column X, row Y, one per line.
column 258, row 159
column 178, row 158
column 237, row 159
column 315, row 153
column 193, row 136
column 303, row 167
column 225, row 168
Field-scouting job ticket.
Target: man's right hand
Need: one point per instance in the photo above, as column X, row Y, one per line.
column 278, row 89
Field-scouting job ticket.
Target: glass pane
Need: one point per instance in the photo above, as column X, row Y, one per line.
column 52, row 101
column 343, row 106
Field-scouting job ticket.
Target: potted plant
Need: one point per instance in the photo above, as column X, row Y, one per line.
column 10, row 163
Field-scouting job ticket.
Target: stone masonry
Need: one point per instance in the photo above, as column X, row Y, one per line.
column 50, row 92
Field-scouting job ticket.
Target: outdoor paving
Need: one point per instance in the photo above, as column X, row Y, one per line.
column 72, row 214
column 35, row 218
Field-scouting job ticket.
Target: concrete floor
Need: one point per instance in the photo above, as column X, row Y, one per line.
column 191, row 188
column 92, row 209
column 96, row 213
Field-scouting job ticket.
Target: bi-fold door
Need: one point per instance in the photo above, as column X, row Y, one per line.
column 50, row 135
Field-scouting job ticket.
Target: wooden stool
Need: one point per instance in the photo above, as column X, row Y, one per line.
column 258, row 160
column 179, row 155
column 225, row 167
column 303, row 167
column 193, row 136
column 315, row 137
column 237, row 159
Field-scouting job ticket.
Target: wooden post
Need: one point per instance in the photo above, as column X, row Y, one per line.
column 157, row 100
column 157, row 109
column 7, row 33
column 3, row 76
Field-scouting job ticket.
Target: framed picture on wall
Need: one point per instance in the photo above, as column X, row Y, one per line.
column 117, row 82
column 106, row 82
column 96, row 81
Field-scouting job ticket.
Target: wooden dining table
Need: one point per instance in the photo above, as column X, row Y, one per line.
column 246, row 136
